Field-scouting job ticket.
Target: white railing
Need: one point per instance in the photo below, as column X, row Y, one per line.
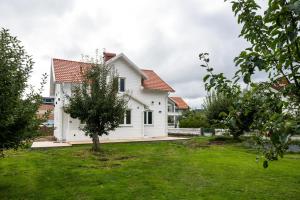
column 193, row 131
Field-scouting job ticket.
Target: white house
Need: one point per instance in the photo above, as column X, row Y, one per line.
column 176, row 106
column 147, row 111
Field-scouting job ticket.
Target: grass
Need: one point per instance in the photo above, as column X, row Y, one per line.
column 158, row 170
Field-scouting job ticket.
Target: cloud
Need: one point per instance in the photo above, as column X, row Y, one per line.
column 166, row 36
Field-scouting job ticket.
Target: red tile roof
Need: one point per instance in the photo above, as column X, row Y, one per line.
column 44, row 108
column 280, row 83
column 66, row 71
column 180, row 103
column 154, row 82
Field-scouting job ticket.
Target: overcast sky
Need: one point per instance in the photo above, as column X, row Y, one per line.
column 164, row 35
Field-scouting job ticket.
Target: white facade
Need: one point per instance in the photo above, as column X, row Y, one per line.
column 173, row 114
column 67, row 128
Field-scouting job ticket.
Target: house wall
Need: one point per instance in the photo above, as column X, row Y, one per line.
column 175, row 113
column 134, row 130
column 58, row 114
column 157, row 102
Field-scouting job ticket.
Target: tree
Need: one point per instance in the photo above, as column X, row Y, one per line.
column 193, row 119
column 18, row 119
column 275, row 49
column 96, row 101
column 216, row 108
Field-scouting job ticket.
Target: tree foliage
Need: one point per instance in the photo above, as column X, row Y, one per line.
column 274, row 41
column 193, row 119
column 96, row 101
column 216, row 108
column 18, row 119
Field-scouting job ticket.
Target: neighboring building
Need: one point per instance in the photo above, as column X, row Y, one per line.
column 147, row 108
column 48, row 104
column 176, row 106
column 48, row 100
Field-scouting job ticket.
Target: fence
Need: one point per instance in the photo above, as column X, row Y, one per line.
column 195, row 131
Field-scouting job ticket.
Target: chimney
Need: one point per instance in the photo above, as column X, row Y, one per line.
column 107, row 56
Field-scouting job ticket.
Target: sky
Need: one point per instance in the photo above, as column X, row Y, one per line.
column 164, row 35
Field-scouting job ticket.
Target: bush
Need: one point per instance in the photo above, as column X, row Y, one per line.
column 216, row 108
column 193, row 119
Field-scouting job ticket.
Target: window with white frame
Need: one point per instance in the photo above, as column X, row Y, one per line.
column 170, row 108
column 148, row 117
column 127, row 118
column 121, row 84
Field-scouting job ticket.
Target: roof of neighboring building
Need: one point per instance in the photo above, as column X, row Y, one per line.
column 180, row 103
column 280, row 83
column 154, row 82
column 67, row 71
column 46, row 107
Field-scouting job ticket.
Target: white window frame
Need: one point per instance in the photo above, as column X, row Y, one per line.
column 120, row 84
column 125, row 118
column 147, row 117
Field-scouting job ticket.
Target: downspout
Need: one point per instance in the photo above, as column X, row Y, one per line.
column 142, row 122
column 166, row 114
column 62, row 113
column 62, row 126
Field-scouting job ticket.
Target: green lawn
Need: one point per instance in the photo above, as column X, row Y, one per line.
column 156, row 170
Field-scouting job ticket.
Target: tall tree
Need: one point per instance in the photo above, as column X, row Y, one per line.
column 96, row 101
column 18, row 119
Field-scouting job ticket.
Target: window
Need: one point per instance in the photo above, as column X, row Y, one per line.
column 122, row 84
column 170, row 108
column 148, row 117
column 127, row 118
column 171, row 120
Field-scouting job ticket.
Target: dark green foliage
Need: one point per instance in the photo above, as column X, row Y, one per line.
column 216, row 109
column 193, row 119
column 18, row 119
column 97, row 103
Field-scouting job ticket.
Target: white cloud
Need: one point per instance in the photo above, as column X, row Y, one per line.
column 166, row 36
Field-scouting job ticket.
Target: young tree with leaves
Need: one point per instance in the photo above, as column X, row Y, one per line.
column 216, row 108
column 18, row 118
column 193, row 119
column 96, row 101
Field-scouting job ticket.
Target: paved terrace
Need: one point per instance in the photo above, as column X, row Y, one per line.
column 49, row 144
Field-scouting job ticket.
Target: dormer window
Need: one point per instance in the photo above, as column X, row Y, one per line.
column 122, row 84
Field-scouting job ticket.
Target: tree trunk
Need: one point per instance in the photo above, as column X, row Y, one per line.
column 1, row 153
column 96, row 142
column 236, row 135
column 213, row 132
column 202, row 131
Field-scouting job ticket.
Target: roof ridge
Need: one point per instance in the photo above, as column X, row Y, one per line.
column 71, row 60
column 147, row 70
